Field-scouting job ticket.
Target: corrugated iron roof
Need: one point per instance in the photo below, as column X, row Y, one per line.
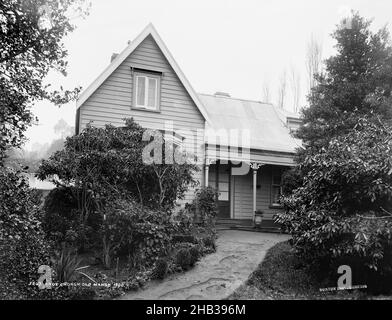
column 266, row 124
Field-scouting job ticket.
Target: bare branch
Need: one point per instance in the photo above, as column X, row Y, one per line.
column 282, row 90
column 313, row 60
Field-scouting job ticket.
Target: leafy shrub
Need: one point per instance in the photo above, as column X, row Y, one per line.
column 25, row 257
column 66, row 265
column 209, row 242
column 136, row 231
column 291, row 180
column 185, row 222
column 154, row 232
column 60, row 209
column 178, row 238
column 194, row 252
column 183, row 258
column 19, row 206
column 160, row 268
column 343, row 210
column 63, row 220
column 204, row 207
column 21, row 236
column 109, row 160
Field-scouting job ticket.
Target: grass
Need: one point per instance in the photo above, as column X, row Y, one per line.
column 283, row 276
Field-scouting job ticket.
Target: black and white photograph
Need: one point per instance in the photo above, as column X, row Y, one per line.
column 200, row 157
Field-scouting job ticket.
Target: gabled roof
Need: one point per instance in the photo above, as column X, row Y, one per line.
column 267, row 125
column 149, row 30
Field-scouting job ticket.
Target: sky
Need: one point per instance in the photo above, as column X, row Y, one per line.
column 221, row 45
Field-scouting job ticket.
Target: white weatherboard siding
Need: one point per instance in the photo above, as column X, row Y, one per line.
column 243, row 193
column 261, row 128
column 112, row 100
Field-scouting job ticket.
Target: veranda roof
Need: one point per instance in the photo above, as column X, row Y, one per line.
column 266, row 123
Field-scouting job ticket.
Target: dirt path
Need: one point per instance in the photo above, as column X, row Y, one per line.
column 217, row 275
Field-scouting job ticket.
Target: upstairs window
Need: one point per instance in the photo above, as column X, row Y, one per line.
column 146, row 91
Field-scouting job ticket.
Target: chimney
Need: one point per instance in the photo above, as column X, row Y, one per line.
column 114, row 56
column 222, row 94
column 293, row 123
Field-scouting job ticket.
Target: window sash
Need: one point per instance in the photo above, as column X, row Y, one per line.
column 146, row 92
column 276, row 190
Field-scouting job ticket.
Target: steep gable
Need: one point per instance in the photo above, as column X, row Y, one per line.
column 109, row 98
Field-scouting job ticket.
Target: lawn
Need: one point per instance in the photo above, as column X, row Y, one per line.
column 283, row 276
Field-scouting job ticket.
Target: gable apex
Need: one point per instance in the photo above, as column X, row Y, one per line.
column 149, row 30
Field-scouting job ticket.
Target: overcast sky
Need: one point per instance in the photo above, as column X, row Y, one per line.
column 220, row 45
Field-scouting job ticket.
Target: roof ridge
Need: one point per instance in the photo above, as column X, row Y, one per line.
column 233, row 98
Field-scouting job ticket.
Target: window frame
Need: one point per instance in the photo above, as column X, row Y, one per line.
column 147, row 75
column 272, row 186
column 176, row 140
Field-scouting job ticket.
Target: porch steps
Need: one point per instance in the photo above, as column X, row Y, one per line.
column 247, row 225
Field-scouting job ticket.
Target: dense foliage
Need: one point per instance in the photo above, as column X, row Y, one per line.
column 344, row 207
column 339, row 198
column 19, row 206
column 62, row 221
column 140, row 233
column 204, row 207
column 355, row 83
column 106, row 161
column 21, row 237
column 31, row 37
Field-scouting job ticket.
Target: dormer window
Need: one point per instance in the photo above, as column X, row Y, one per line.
column 147, row 91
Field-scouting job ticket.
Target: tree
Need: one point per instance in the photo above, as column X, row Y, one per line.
column 31, row 35
column 282, row 90
column 313, row 60
column 266, row 93
column 339, row 207
column 357, row 82
column 342, row 212
column 107, row 162
column 63, row 129
column 295, row 84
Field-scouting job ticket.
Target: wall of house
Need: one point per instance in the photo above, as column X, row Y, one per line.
column 112, row 101
column 243, row 193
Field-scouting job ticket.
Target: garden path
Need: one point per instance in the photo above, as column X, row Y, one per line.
column 216, row 275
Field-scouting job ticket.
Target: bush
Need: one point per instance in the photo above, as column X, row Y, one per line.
column 60, row 209
column 21, row 237
column 204, row 207
column 19, row 206
column 209, row 242
column 110, row 160
column 66, row 265
column 291, row 180
column 136, row 231
column 343, row 210
column 179, row 238
column 160, row 269
column 194, row 252
column 63, row 220
column 24, row 256
column 183, row 258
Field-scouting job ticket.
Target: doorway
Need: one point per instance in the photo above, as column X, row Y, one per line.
column 223, row 187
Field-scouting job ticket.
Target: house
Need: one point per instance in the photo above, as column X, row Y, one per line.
column 242, row 146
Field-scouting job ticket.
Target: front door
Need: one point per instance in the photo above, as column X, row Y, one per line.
column 223, row 186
